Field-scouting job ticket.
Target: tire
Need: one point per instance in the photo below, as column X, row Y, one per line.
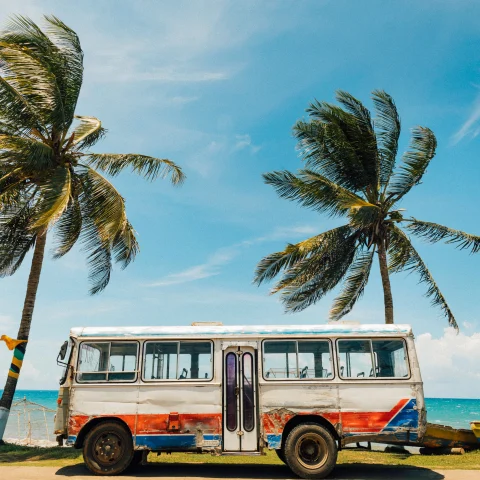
column 108, row 449
column 281, row 455
column 310, row 451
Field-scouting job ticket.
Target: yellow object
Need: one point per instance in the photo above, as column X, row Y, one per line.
column 476, row 429
column 11, row 343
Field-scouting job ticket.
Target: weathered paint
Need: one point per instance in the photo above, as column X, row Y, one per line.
column 187, row 415
column 239, row 331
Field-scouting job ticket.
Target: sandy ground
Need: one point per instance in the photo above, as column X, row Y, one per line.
column 247, row 472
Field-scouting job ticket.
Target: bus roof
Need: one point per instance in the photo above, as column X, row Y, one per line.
column 219, row 331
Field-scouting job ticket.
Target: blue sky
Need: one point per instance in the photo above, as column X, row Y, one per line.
column 216, row 87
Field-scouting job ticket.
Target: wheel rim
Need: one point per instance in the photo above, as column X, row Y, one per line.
column 311, row 451
column 108, row 448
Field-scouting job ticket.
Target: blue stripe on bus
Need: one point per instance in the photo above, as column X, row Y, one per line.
column 182, row 441
column 274, row 441
column 406, row 418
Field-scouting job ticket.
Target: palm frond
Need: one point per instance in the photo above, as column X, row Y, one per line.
column 68, row 228
column 353, row 285
column 55, row 195
column 88, row 132
column 101, row 202
column 314, row 191
column 365, row 140
column 404, row 257
column 272, row 264
column 70, row 62
column 416, row 161
column 149, row 167
column 16, row 236
column 31, row 155
column 433, row 233
column 387, row 125
column 326, row 149
column 307, row 281
column 125, row 246
column 33, row 81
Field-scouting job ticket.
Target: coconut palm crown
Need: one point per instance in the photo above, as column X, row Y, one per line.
column 50, row 182
column 49, row 179
column 350, row 172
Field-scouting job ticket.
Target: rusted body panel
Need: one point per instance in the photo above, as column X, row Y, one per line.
column 188, row 415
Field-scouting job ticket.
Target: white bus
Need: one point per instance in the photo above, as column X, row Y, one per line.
column 304, row 391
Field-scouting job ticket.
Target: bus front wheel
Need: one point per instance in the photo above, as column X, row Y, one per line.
column 108, row 449
column 310, row 451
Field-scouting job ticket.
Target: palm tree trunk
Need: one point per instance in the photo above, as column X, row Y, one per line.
column 23, row 331
column 387, row 289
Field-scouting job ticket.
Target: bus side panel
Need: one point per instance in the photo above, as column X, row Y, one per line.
column 91, row 401
column 379, row 409
column 179, row 416
column 280, row 401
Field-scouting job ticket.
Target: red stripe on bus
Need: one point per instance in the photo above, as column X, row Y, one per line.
column 145, row 424
column 372, row 422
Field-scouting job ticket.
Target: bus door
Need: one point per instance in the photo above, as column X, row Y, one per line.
column 240, row 409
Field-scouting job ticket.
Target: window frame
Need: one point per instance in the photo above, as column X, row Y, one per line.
column 163, row 380
column 107, row 381
column 372, row 355
column 296, row 379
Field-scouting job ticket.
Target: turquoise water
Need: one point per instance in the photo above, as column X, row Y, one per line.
column 456, row 412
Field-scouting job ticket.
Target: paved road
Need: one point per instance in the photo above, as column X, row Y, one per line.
column 250, row 472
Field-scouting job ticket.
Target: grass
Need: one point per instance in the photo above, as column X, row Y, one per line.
column 61, row 457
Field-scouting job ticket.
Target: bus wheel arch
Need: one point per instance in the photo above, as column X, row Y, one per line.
column 85, row 430
column 299, row 419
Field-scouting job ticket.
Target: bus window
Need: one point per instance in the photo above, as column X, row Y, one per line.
column 160, row 361
column 390, row 358
column 195, row 360
column 314, row 359
column 178, row 361
column 355, row 358
column 280, row 359
column 107, row 361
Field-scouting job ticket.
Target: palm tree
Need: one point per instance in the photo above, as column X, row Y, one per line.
column 49, row 180
column 350, row 171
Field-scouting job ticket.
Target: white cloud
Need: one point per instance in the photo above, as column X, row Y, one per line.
column 449, row 364
column 225, row 255
column 168, row 75
column 181, row 100
column 470, row 127
column 245, row 142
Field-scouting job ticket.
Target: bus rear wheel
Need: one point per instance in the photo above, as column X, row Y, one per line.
column 108, row 449
column 310, row 451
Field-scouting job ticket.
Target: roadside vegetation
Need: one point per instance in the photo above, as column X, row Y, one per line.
column 61, row 457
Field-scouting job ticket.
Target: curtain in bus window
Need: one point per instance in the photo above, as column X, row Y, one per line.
column 195, row 360
column 280, row 359
column 314, row 359
column 390, row 358
column 160, row 361
column 355, row 359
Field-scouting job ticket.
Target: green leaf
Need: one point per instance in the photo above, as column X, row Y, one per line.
column 149, row 167
column 416, row 161
column 68, row 229
column 402, row 256
column 88, row 132
column 353, row 285
column 433, row 233
column 55, row 195
column 314, row 191
column 387, row 124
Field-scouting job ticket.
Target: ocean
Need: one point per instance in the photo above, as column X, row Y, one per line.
column 456, row 412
